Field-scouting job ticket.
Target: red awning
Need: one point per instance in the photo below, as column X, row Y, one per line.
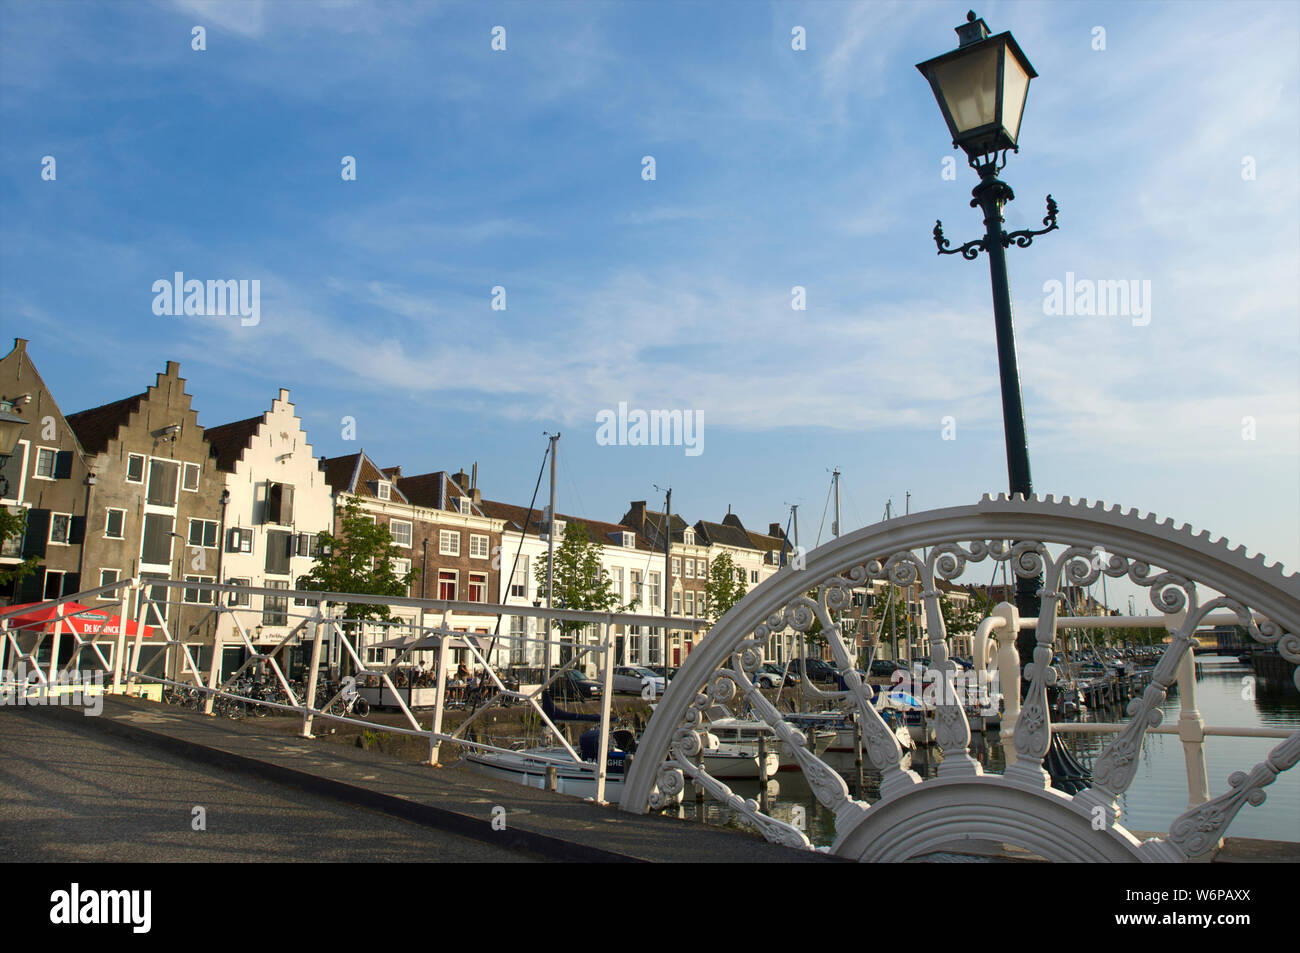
column 80, row 619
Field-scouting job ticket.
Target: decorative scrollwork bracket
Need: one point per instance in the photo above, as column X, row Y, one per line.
column 1022, row 238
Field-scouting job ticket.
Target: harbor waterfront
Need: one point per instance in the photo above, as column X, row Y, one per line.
column 1158, row 793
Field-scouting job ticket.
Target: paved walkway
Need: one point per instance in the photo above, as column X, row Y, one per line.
column 75, row 794
column 450, row 800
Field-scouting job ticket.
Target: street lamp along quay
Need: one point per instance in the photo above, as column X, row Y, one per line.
column 981, row 88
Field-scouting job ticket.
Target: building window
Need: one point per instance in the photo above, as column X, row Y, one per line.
column 753, row 576
column 53, row 584
column 60, row 528
column 200, row 596
column 239, row 598
column 135, row 468
column 401, row 567
column 690, row 569
column 677, row 603
column 478, row 582
column 279, row 504
column 13, row 472
column 190, row 478
column 690, row 602
column 203, row 533
column 164, row 477
column 278, row 551
column 636, row 588
column 275, row 609
column 688, row 537
column 629, row 540
column 655, row 595
column 518, row 647
column 114, row 522
column 108, row 577
column 45, row 463
column 519, row 580
column 241, row 541
column 400, row 530
column 384, row 491
column 447, row 584
column 465, row 506
column 308, row 545
column 448, row 542
column 702, row 568
column 478, row 546
column 616, row 580
column 156, row 542
column 677, row 567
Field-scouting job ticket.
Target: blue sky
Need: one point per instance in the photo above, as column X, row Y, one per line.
column 820, row 168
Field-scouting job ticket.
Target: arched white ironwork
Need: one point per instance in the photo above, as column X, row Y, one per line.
column 1187, row 575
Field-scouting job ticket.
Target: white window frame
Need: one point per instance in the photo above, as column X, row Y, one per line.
column 445, row 536
column 117, row 575
column 198, row 473
column 401, row 567
column 465, row 506
column 455, row 583
column 54, row 463
column 470, row 580
column 690, row 604
column 629, row 540
column 410, row 532
column 384, row 490
column 54, row 542
column 688, row 537
column 200, row 601
column 690, row 568
column 108, row 511
column 239, row 598
column 16, row 499
column 677, row 567
column 475, row 540
column 189, row 533
column 521, row 574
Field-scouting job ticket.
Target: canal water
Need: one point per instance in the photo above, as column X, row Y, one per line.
column 1158, row 793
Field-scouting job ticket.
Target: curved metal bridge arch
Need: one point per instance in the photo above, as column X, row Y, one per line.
column 1188, row 576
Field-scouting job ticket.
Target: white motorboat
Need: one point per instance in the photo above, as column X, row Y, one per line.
column 744, row 733
column 528, row 767
column 736, row 762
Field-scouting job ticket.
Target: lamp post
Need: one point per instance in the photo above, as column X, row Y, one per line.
column 981, row 88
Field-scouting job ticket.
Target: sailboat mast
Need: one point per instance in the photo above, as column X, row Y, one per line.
column 550, row 552
column 835, row 524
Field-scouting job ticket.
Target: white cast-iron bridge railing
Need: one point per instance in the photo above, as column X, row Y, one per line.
column 1191, row 581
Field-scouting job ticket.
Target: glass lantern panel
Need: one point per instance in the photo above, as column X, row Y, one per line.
column 969, row 86
column 1016, row 87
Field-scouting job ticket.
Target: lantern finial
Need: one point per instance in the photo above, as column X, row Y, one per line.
column 972, row 31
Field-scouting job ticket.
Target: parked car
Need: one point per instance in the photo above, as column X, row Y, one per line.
column 818, row 669
column 574, row 686
column 769, row 676
column 632, row 679
column 884, row 667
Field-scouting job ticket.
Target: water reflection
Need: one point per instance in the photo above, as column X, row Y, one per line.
column 1225, row 696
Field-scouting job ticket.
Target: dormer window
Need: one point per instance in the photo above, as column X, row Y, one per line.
column 466, row 508
column 629, row 540
column 384, row 490
column 688, row 537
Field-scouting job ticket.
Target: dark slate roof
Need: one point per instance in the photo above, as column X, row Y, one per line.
column 515, row 516
column 423, row 489
column 368, row 475
column 98, row 425
column 229, row 441
column 730, row 532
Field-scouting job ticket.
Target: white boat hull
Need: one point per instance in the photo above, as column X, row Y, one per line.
column 576, row 779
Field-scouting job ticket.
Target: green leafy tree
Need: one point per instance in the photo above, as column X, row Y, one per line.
column 960, row 618
column 581, row 583
column 12, row 526
column 358, row 560
column 724, row 588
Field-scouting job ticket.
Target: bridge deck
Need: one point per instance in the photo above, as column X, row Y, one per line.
column 449, row 799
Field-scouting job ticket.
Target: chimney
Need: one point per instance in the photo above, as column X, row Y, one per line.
column 473, row 480
column 636, row 516
column 774, row 529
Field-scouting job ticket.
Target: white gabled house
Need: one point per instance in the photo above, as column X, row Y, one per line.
column 279, row 504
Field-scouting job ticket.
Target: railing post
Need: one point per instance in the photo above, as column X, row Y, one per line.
column 1008, row 675
column 54, row 647
column 322, row 619
column 214, row 665
column 440, row 696
column 119, row 648
column 606, row 700
column 1191, row 726
column 4, row 645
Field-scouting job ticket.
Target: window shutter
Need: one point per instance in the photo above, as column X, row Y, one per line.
column 304, row 544
column 77, row 531
column 71, row 583
column 32, row 587
column 38, row 532
column 63, row 465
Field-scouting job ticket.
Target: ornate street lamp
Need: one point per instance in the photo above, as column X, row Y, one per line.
column 981, row 88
